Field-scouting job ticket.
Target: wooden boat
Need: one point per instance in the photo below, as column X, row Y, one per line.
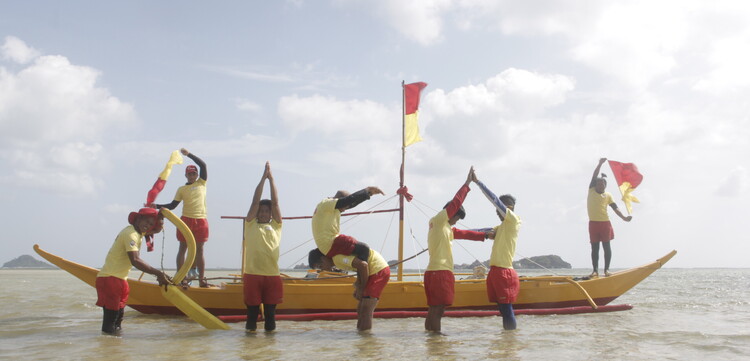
column 327, row 295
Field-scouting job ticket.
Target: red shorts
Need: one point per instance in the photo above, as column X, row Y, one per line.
column 199, row 227
column 112, row 292
column 502, row 285
column 376, row 283
column 342, row 244
column 439, row 287
column 267, row 290
column 601, row 231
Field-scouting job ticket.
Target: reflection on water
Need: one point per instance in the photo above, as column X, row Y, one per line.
column 678, row 314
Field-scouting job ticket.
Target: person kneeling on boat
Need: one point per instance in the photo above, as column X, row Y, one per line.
column 261, row 280
column 111, row 282
column 372, row 277
column 439, row 281
column 326, row 222
column 502, row 282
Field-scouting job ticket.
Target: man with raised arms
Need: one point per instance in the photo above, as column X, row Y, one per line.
column 502, row 281
column 439, row 281
column 261, row 280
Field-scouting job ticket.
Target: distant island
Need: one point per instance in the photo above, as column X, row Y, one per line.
column 537, row 262
column 27, row 261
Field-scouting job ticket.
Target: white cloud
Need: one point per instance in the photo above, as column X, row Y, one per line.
column 16, row 50
column 418, row 20
column 734, row 184
column 53, row 118
column 247, row 105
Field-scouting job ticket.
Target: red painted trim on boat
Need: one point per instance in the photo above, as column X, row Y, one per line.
column 336, row 316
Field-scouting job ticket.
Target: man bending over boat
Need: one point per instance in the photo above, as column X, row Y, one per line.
column 326, row 222
column 600, row 228
column 261, row 280
column 439, row 281
column 193, row 214
column 372, row 276
column 502, row 281
column 112, row 280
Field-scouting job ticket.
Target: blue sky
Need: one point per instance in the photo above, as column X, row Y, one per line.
column 95, row 95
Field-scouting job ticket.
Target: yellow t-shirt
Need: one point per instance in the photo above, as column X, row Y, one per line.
column 262, row 247
column 193, row 197
column 325, row 224
column 506, row 236
column 439, row 243
column 117, row 263
column 375, row 262
column 597, row 205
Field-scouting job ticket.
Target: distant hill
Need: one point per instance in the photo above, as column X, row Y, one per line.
column 27, row 261
column 537, row 262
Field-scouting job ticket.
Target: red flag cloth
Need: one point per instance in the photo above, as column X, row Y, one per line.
column 155, row 190
column 405, row 192
column 411, row 96
column 626, row 172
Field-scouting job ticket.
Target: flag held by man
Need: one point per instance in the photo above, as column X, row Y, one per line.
column 628, row 179
column 411, row 111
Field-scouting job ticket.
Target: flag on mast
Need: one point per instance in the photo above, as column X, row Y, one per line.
column 411, row 112
column 628, row 178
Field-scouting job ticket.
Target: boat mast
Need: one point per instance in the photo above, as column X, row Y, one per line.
column 401, row 185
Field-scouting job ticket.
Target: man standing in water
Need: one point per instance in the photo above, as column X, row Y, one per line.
column 193, row 213
column 112, row 280
column 372, row 277
column 502, row 281
column 439, row 281
column 261, row 280
column 600, row 229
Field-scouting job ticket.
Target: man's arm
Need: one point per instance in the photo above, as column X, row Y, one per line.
column 499, row 205
column 470, row 235
column 138, row 263
column 596, row 172
column 275, row 210
column 363, row 274
column 201, row 164
column 169, row 206
column 617, row 211
column 253, row 211
column 357, row 197
column 458, row 199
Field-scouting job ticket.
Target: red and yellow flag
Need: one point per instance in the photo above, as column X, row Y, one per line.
column 628, row 178
column 411, row 111
column 174, row 158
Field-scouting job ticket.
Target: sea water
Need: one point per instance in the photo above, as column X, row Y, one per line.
column 678, row 314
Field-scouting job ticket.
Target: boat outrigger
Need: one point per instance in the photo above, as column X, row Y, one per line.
column 329, row 296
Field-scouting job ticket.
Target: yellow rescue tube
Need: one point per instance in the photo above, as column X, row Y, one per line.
column 189, row 242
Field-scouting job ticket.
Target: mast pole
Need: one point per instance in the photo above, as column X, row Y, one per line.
column 400, row 185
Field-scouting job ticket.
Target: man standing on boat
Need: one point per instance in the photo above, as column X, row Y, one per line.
column 439, row 280
column 372, row 276
column 600, row 228
column 502, row 281
column 112, row 280
column 193, row 213
column 326, row 222
column 261, row 280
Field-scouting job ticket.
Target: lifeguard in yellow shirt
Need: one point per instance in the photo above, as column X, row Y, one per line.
column 112, row 280
column 439, row 281
column 502, row 281
column 600, row 228
column 261, row 280
column 326, row 223
column 194, row 214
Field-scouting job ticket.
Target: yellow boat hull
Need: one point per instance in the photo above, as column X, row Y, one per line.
column 335, row 295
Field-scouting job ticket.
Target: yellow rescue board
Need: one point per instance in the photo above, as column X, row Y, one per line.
column 174, row 294
column 192, row 309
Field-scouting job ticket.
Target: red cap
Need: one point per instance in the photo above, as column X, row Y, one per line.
column 191, row 169
column 151, row 212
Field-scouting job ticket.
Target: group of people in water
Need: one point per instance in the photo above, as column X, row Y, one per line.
column 262, row 283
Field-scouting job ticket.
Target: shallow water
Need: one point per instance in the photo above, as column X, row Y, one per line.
column 678, row 314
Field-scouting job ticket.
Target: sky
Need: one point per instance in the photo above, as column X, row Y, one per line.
column 95, row 95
